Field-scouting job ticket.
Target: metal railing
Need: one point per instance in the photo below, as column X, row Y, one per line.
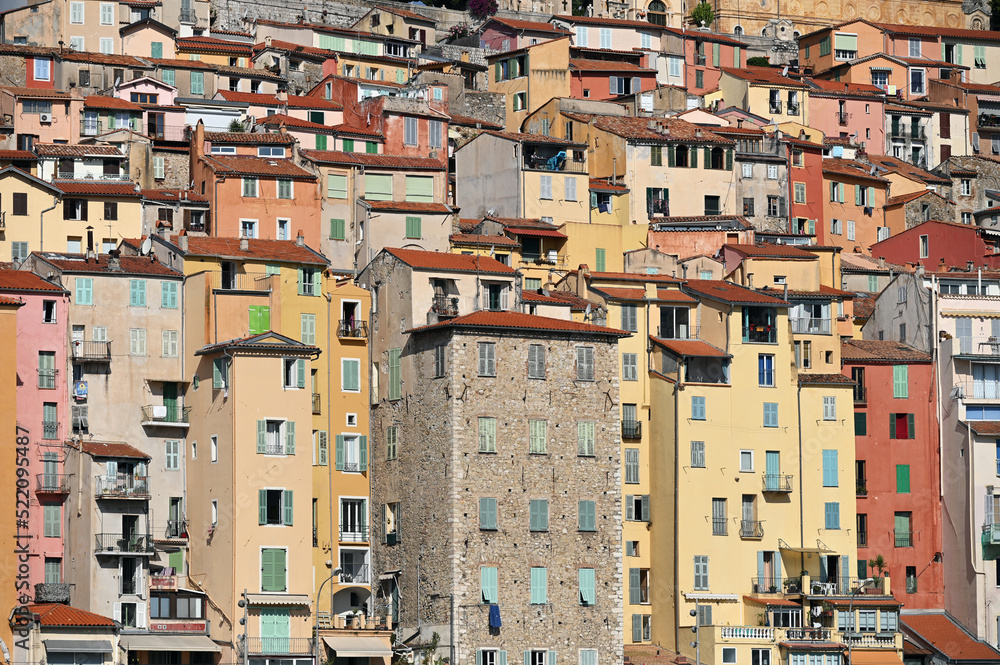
column 842, row 118
column 793, row 109
column 52, row 483
column 631, row 429
column 352, row 328
column 128, row 543
column 808, row 634
column 862, row 539
column 354, row 573
column 766, row 584
column 810, row 325
column 720, row 526
column 992, row 532
column 751, row 529
column 155, row 413
column 845, row 586
column 81, row 175
column 844, row 55
column 354, row 533
column 760, row 335
column 445, row 305
column 317, row 404
column 978, row 346
column 903, row 538
column 299, row 646
column 242, row 281
column 163, row 583
column 121, row 487
column 47, row 379
column 177, row 529
column 777, row 482
column 861, row 486
column 91, row 350
column 553, row 163
column 50, row 430
column 860, row 395
column 775, row 107
column 272, row 447
column 188, row 16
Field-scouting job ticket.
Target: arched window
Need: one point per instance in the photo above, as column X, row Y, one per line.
column 657, row 13
column 738, row 30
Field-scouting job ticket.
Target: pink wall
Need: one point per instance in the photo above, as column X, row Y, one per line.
column 710, row 72
column 955, row 244
column 599, row 85
column 870, row 125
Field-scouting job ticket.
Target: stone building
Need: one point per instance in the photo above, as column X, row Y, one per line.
column 495, row 466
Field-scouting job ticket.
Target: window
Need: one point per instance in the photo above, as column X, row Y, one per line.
column 637, row 508
column 545, row 187
column 336, row 186
column 413, row 228
column 900, row 381
column 746, row 461
column 588, row 585
column 52, row 519
column 538, row 515
column 587, row 515
column 107, row 45
column 488, row 584
column 273, row 568
column 800, row 192
column 701, row 574
column 488, row 514
column 830, row 468
column 539, row 586
column 901, row 426
column 487, row 435
column 712, row 205
column 338, row 229
column 832, row 515
column 520, row 100
column 719, row 520
column 137, row 342
column 748, row 207
column 294, row 373
column 487, row 359
column 697, row 407
column 350, row 375
column 850, row 229
column 774, row 206
column 108, row 15
column 698, row 454
column 585, row 363
column 631, row 466
column 538, row 437
column 284, row 189
column 656, row 155
column 902, row 479
column 836, row 227
column 168, row 344
column 966, row 187
column 916, row 81
column 395, row 375
column 829, row 408
column 409, row 131
column 250, row 187
column 585, row 442
column 699, row 78
column 770, row 414
column 391, row 442
column 76, row 13
column 630, row 319
column 569, row 188
column 309, row 281
column 630, row 367
column 765, row 370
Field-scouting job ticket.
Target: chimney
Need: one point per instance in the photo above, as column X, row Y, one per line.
column 300, row 239
column 244, row 244
column 969, row 266
column 90, row 242
column 697, row 133
column 881, row 262
column 282, row 95
column 920, row 270
column 182, row 240
column 749, row 280
column 267, row 41
column 582, row 277
column 651, row 125
column 739, row 123
column 114, row 260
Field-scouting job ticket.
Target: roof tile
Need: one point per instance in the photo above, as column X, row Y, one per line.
column 112, row 449
column 422, row 260
column 945, row 635
column 53, row 614
column 98, row 188
column 630, row 127
column 520, row 321
column 880, row 350
column 408, row 206
column 373, row 161
column 769, row 251
column 242, row 165
column 76, row 150
column 729, row 292
column 692, row 348
column 249, row 137
column 23, row 280
column 263, row 250
column 130, row 265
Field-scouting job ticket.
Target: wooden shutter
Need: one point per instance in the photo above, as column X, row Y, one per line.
column 629, row 508
column 339, row 453
column 290, row 437
column 363, row 453
column 287, row 506
column 636, row 626
column 395, row 379
column 323, row 445
column 539, row 586
column 900, row 381
column 587, row 592
column 902, row 478
column 910, row 434
column 262, row 507
column 634, row 589
column 261, row 437
column 830, row 463
column 892, row 425
column 645, row 507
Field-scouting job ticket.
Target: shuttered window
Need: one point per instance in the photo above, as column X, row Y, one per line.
column 830, row 468
column 350, row 375
column 701, row 573
column 307, row 323
column 538, row 437
column 697, row 407
column 587, row 515
column 413, row 228
column 378, row 187
column 902, row 478
column 336, row 185
column 272, row 569
column 487, row 435
column 538, row 515
column 832, row 515
column 630, row 367
column 52, row 520
column 488, row 584
column 698, row 454
column 829, row 408
column 631, row 466
column 585, row 363
column 545, row 187
column 588, row 584
column 569, row 187
column 536, row 361
column 168, row 295
column 585, row 439
column 338, row 229
column 420, row 188
column 84, row 291
column 391, row 442
column 630, row 318
column 395, row 375
column 322, row 448
column 539, row 586
column 900, row 381
column 487, row 359
column 137, row 293
column 487, row 514
column 770, row 414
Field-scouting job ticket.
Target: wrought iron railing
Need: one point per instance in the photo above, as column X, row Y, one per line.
column 242, row 281
column 777, row 482
column 445, row 305
column 353, row 573
column 903, row 538
column 91, row 350
column 720, row 526
column 155, row 413
column 860, row 395
column 122, row 486
column 47, row 379
column 631, row 429
column 353, row 329
column 52, row 483
column 354, row 533
column 275, row 646
column 126, row 543
column 751, row 529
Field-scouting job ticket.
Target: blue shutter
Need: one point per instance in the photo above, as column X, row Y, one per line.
column 339, row 455
column 539, row 586
column 830, row 464
column 300, row 366
column 587, row 586
column 289, row 513
column 634, row 590
column 363, row 453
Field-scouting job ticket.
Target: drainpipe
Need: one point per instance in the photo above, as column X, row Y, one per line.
column 41, row 222
column 329, row 467
column 677, row 572
column 802, row 528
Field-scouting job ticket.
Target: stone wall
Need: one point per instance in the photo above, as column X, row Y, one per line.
column 12, row 70
column 938, row 208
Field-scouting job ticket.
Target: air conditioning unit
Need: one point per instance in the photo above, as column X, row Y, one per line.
column 45, row 118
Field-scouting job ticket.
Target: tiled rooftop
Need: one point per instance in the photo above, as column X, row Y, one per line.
column 98, row 188
column 876, row 350
column 56, row 615
column 112, row 449
column 258, row 250
column 422, row 260
column 130, row 265
column 242, row 165
column 371, row 160
column 631, row 127
column 408, row 206
column 729, row 292
column 520, row 321
column 769, row 251
column 24, row 280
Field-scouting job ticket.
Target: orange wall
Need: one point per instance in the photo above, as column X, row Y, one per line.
column 231, row 206
column 8, row 476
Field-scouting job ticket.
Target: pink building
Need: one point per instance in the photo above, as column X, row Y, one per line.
column 705, row 54
column 43, row 411
column 508, row 34
column 161, row 117
column 608, row 79
column 849, row 109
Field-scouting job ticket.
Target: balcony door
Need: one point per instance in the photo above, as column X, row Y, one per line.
column 773, row 470
column 275, row 630
column 353, row 520
column 170, row 400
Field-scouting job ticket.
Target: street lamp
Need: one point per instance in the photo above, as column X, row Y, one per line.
column 333, row 573
column 696, row 630
column 850, row 609
column 243, row 603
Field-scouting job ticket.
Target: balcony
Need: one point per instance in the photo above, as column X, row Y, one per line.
column 52, row 483
column 188, row 15
column 793, row 109
column 777, row 483
column 699, row 60
column 50, row 430
column 978, row 346
column 91, row 351
column 631, row 429
column 253, row 282
column 847, row 586
column 121, row 487
column 354, row 533
column 992, row 533
column 176, row 530
column 351, row 329
column 116, row 543
column 83, row 175
column 903, row 538
column 988, row 120
column 158, row 414
column 751, row 529
column 354, row 573
column 860, row 395
column 808, row 634
column 760, row 334
column 861, row 486
column 47, row 379
column 91, row 127
column 280, row 646
column 843, row 118
column 774, row 107
column 163, row 583
column 870, row 640
column 445, row 305
column 746, row 633
column 316, row 404
column 552, row 160
column 840, row 54
column 810, row 326
column 766, row 584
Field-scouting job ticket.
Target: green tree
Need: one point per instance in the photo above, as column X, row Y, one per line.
column 759, row 61
column 702, row 14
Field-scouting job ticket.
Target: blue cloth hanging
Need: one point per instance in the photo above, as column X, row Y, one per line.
column 495, row 616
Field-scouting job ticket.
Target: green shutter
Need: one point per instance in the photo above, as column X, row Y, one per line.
column 860, row 423
column 290, row 437
column 197, row 83
column 871, row 197
column 168, row 295
column 321, row 141
column 262, row 507
column 600, row 259
column 84, row 291
column 395, row 378
column 338, row 229
column 301, row 282
column 634, row 589
column 487, row 513
column 729, row 160
column 707, row 153
column 671, row 158
column 156, row 50
column 911, row 434
column 496, row 71
column 413, row 230
column 300, row 367
column 254, row 317
column 587, row 586
column 137, row 293
column 363, row 453
column 900, row 381
column 637, row 628
column 715, row 55
column 902, row 478
column 539, row 586
column 317, row 282
column 693, row 156
column 217, row 381
column 261, row 437
column 737, row 51
column 857, row 194
column 289, row 512
column 892, row 425
column 339, row 453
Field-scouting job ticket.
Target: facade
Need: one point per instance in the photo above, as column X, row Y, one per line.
column 939, row 243
column 854, row 204
column 11, row 536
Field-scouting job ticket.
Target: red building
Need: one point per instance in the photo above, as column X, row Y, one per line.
column 805, row 165
column 897, row 467
column 608, row 79
column 705, row 54
column 936, row 243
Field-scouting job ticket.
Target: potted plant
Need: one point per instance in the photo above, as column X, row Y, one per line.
column 879, row 566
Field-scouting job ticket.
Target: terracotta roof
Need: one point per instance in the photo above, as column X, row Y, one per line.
column 985, row 427
column 618, row 293
column 537, row 26
column 103, row 102
column 76, row 150
column 673, row 295
column 259, row 250
column 103, row 59
column 408, row 206
column 668, row 223
column 773, row 602
column 173, row 195
column 421, row 260
column 895, row 165
column 652, row 654
column 110, row 449
column 248, row 72
column 851, row 169
column 907, row 109
column 631, row 277
column 292, row 47
column 691, row 348
column 537, row 232
column 130, row 265
column 373, row 161
column 825, row 379
column 24, row 280
column 175, row 63
column 266, row 341
column 254, row 138
column 279, row 119
column 729, row 292
column 97, row 188
column 864, row 306
column 404, row 13
column 57, row 615
column 606, row 66
column 242, row 165
column 604, row 185
column 17, row 154
column 880, row 350
column 839, row 88
column 763, row 76
column 939, row 31
column 212, row 44
column 519, row 321
column 699, row 35
column 312, row 102
column 912, row 196
column 768, row 251
column 35, row 92
column 481, row 240
column 521, row 137
column 576, row 303
column 468, row 121
column 610, row 22
column 638, row 129
column 235, row 33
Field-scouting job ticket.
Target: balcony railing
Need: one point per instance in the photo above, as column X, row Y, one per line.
column 50, row 430
column 862, row 539
column 842, row 118
column 47, row 379
column 280, row 646
column 354, row 573
column 766, row 584
column 177, row 529
column 808, row 634
column 91, row 351
column 861, row 486
column 188, row 16
column 844, row 55
column 903, row 538
column 556, row 162
column 751, row 529
column 846, row 586
column 258, row 282
column 354, row 533
column 746, row 633
column 83, row 175
column 760, row 334
column 870, row 640
column 156, row 413
column 810, row 326
column 163, row 583
column 116, row 542
column 122, row 487
column 992, row 532
column 777, row 482
column 860, row 395
column 317, row 404
column 775, row 107
column 793, row 109
column 445, row 305
column 631, row 429
column 91, row 127
column 979, row 346
column 52, row 483
column 352, row 329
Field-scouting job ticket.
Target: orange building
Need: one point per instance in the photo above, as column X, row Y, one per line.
column 9, row 453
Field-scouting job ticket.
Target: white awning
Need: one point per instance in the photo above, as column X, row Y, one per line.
column 711, row 596
column 147, row 642
column 278, row 599
column 77, row 646
column 354, row 646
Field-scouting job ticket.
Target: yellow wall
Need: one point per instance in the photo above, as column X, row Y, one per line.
column 548, row 77
column 8, row 476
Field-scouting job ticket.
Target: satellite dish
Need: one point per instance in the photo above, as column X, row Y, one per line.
column 147, row 245
column 784, row 71
column 586, row 312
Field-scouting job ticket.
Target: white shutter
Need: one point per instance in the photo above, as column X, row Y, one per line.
column 117, row 612
column 570, row 188
column 140, row 615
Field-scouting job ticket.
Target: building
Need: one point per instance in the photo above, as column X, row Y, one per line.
column 765, row 92
column 13, row 538
column 508, row 34
column 853, row 204
column 568, row 548
column 940, row 245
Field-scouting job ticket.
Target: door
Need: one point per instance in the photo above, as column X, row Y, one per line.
column 228, row 275
column 772, row 479
column 130, row 525
column 91, row 125
column 170, row 401
column 275, row 629
column 175, row 516
column 50, row 465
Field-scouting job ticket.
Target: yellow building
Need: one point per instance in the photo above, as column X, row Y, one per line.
column 767, row 93
column 529, row 77
column 9, row 597
column 738, row 432
column 53, row 217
